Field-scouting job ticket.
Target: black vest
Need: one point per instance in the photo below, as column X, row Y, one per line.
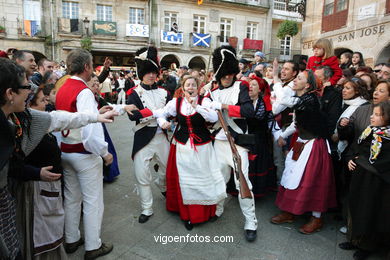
column 193, row 125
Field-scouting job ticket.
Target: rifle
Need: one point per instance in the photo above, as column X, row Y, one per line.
column 244, row 188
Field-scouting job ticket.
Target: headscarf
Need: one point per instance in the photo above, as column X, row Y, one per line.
column 265, row 89
column 378, row 133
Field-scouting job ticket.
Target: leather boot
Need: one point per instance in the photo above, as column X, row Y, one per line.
column 284, row 217
column 314, row 225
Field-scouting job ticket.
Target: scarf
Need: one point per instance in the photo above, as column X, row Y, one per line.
column 353, row 104
column 265, row 90
column 378, row 134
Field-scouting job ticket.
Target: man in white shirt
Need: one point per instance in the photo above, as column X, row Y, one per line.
column 82, row 153
column 282, row 89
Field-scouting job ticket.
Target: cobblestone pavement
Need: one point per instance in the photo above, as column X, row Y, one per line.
column 138, row 241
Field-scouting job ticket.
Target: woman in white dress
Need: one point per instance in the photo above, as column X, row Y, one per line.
column 194, row 182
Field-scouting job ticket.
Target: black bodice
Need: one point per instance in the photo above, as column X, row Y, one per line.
column 191, row 126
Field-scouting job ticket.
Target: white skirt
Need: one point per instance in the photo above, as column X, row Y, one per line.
column 201, row 181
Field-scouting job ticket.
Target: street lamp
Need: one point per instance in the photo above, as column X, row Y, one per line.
column 86, row 25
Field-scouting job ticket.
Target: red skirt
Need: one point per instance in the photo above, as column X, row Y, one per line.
column 174, row 202
column 317, row 189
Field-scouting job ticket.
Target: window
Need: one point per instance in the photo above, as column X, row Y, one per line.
column 251, row 31
column 104, row 13
column 335, row 15
column 136, row 16
column 387, row 6
column 226, row 30
column 341, row 5
column 199, row 24
column 328, row 8
column 169, row 19
column 280, row 5
column 285, row 48
column 32, row 11
column 70, row 10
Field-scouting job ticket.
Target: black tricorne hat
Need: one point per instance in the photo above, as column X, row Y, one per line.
column 224, row 62
column 147, row 61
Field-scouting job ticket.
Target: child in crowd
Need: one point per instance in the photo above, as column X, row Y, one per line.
column 357, row 60
column 323, row 56
column 368, row 205
column 345, row 60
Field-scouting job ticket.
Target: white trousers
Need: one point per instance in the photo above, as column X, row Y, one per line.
column 154, row 152
column 121, row 97
column 225, row 159
column 83, row 178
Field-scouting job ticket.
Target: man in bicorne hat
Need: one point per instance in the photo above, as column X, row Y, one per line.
column 150, row 142
column 233, row 99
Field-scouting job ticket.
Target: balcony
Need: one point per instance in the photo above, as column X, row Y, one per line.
column 281, row 11
column 247, row 3
column 283, row 54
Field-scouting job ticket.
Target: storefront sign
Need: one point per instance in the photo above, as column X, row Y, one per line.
column 137, row 30
column 171, row 37
column 367, row 11
column 105, row 28
column 368, row 31
column 353, row 35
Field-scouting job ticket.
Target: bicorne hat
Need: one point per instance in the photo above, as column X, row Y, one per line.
column 224, row 62
column 146, row 61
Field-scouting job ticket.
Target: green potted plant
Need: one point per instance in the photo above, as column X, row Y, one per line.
column 287, row 28
column 2, row 29
column 86, row 43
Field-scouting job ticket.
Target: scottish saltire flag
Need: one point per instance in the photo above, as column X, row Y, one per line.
column 201, row 39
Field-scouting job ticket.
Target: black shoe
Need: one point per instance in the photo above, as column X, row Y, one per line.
column 143, row 218
column 104, row 249
column 250, row 235
column 214, row 218
column 164, row 193
column 72, row 247
column 361, row 254
column 347, row 246
column 188, row 225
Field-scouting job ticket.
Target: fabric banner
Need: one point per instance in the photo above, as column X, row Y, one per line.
column 64, row 25
column 30, row 27
column 103, row 27
column 253, row 44
column 171, row 37
column 201, row 39
column 137, row 30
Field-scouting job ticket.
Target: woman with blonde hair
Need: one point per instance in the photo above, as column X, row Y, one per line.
column 323, row 56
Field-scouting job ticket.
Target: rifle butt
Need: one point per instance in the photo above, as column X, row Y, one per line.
column 245, row 192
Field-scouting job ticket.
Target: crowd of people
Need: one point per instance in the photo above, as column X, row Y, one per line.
column 317, row 133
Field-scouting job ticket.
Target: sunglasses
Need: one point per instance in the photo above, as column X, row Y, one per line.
column 376, row 71
column 24, row 87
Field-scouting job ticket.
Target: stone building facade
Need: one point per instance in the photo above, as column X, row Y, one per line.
column 284, row 49
column 117, row 28
column 355, row 25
